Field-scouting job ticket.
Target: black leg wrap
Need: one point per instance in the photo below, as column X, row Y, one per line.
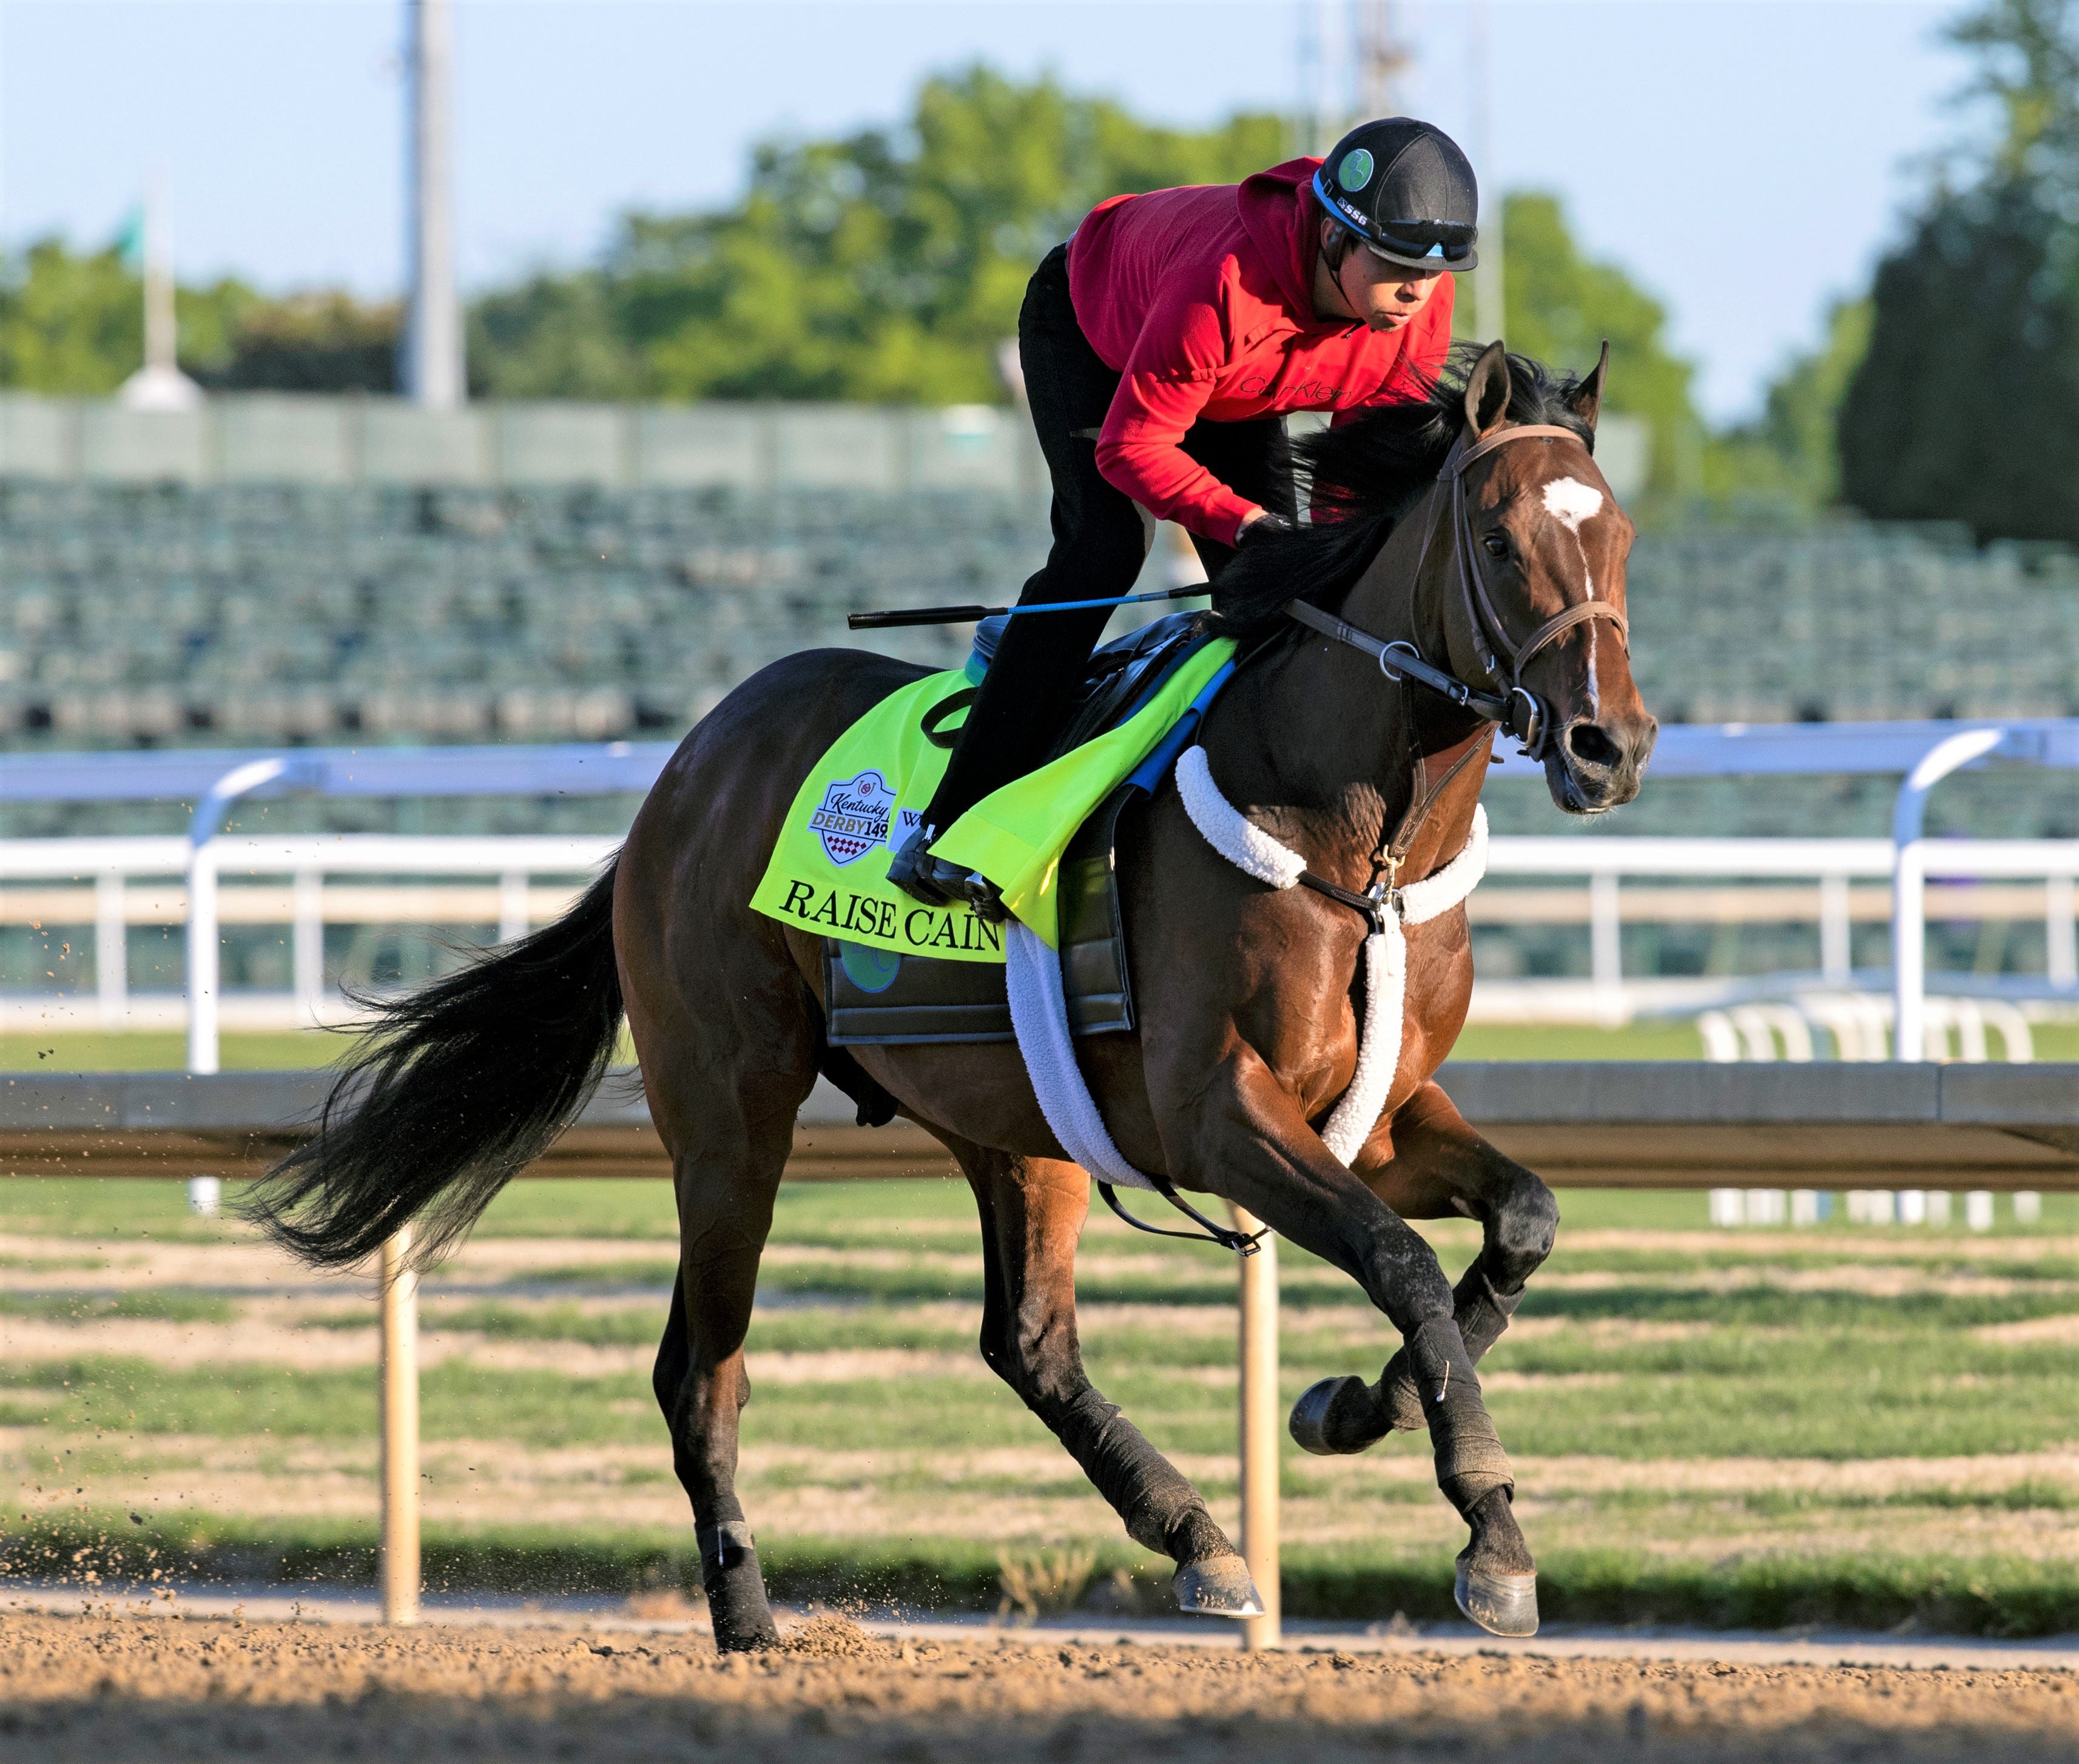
column 1470, row 1463
column 1483, row 1315
column 1162, row 1510
column 735, row 1589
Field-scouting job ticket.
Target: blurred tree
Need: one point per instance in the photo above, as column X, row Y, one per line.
column 321, row 341
column 69, row 322
column 888, row 265
column 1963, row 408
column 1562, row 304
column 1790, row 454
column 553, row 336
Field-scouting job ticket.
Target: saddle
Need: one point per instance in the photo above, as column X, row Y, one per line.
column 876, row 998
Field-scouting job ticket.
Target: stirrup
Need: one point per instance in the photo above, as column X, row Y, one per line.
column 983, row 898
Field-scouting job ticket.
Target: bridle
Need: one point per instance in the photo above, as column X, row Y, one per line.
column 1515, row 707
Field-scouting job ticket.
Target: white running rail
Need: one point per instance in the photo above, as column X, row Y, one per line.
column 308, row 881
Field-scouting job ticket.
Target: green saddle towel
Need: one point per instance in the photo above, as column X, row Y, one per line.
column 828, row 874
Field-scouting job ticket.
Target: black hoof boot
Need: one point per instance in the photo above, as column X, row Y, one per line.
column 736, row 1591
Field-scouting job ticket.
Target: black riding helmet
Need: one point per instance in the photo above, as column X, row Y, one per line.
column 1407, row 191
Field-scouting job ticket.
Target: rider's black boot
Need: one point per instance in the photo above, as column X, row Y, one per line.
column 923, row 877
column 937, row 883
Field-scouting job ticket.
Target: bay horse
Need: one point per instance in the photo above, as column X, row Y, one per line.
column 1430, row 533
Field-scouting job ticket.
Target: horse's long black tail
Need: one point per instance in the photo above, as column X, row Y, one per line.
column 456, row 1087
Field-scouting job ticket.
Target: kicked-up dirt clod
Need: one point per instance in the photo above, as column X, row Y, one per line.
column 119, row 1688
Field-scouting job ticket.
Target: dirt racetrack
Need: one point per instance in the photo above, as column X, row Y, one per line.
column 116, row 1688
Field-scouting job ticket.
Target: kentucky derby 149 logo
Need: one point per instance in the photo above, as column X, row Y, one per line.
column 853, row 817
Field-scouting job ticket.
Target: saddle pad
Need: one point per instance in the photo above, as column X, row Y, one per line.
column 828, row 872
column 874, row 997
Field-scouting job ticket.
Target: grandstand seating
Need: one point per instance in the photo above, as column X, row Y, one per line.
column 249, row 614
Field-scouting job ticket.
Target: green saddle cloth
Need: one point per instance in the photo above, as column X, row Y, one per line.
column 828, row 873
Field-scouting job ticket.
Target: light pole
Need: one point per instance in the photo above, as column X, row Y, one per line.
column 1490, row 292
column 431, row 365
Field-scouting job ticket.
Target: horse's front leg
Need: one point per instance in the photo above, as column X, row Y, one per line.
column 1244, row 1137
column 1032, row 1214
column 1437, row 1166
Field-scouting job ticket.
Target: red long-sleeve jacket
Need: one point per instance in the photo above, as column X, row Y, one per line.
column 1203, row 300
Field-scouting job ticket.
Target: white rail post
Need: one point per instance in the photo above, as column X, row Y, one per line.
column 2060, row 945
column 111, row 951
column 1909, row 888
column 306, row 943
column 203, row 1052
column 1837, row 964
column 1261, row 1425
column 400, row 1432
column 1909, row 953
column 512, row 923
column 1606, row 947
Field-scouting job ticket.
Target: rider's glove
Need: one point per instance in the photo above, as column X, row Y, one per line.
column 1267, row 522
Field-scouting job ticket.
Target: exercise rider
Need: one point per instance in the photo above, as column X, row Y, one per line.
column 1160, row 347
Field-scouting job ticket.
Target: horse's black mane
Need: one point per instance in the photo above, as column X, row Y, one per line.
column 1365, row 476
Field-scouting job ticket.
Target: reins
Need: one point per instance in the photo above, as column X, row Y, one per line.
column 1515, row 707
column 1386, row 908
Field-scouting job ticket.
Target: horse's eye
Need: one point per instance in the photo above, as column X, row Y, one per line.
column 1497, row 545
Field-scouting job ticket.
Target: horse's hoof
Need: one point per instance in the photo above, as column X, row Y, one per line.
column 1312, row 1428
column 1219, row 1586
column 1501, row 1604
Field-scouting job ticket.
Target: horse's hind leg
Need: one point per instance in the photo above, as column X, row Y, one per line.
column 1440, row 1167
column 726, row 1192
column 1032, row 1212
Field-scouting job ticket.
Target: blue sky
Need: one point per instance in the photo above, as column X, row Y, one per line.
column 1745, row 159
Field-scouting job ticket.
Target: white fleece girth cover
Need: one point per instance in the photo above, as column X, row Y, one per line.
column 1039, row 1009
column 1039, row 1019
column 1246, row 845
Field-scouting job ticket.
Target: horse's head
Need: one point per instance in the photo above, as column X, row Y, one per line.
column 1531, row 572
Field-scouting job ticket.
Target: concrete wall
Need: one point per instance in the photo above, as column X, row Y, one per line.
column 289, row 438
column 268, row 437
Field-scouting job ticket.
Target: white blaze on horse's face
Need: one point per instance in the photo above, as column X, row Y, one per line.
column 1570, row 502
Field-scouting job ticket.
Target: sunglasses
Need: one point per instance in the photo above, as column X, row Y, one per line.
column 1391, row 249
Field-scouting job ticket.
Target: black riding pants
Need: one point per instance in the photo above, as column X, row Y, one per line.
column 1100, row 539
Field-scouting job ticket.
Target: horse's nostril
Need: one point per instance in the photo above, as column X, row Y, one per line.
column 1589, row 745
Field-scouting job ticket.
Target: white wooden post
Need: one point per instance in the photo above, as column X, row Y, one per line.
column 513, row 923
column 306, row 943
column 400, row 1432
column 203, row 960
column 111, row 951
column 1606, row 947
column 1909, row 954
column 2061, row 946
column 1261, row 1426
column 1837, row 964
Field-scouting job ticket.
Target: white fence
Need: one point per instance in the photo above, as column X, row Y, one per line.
column 104, row 887
column 1746, row 880
column 304, row 882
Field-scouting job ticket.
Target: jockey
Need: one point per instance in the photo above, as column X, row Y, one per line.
column 1160, row 347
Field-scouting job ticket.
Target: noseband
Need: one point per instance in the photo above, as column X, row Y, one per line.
column 1517, row 708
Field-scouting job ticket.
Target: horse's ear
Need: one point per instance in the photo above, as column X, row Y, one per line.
column 1487, row 391
column 1586, row 400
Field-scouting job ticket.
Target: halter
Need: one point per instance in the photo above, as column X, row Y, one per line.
column 1517, row 708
